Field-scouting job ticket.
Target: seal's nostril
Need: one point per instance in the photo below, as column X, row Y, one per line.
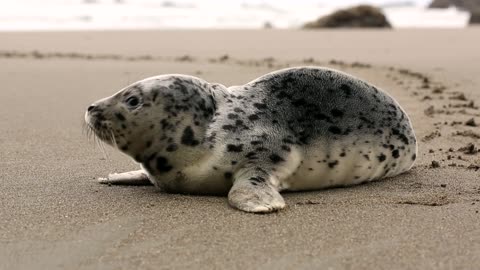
column 90, row 108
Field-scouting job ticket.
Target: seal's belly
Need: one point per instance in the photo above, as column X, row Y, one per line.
column 348, row 162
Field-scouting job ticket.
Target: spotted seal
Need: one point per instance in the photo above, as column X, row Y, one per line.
column 302, row 128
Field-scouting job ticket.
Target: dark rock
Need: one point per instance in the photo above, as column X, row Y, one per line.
column 470, row 5
column 353, row 17
column 475, row 16
column 267, row 25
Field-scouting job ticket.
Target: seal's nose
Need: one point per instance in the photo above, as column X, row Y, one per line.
column 91, row 108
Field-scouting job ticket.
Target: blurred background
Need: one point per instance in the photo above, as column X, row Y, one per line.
column 18, row 15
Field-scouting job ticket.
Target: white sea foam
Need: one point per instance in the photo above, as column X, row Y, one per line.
column 176, row 14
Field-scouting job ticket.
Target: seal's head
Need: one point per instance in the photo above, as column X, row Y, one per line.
column 158, row 115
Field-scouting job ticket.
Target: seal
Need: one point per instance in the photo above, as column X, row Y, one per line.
column 303, row 128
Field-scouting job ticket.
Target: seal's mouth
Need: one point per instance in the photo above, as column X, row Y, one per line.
column 97, row 126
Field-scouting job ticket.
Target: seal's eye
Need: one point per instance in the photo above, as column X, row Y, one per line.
column 132, row 102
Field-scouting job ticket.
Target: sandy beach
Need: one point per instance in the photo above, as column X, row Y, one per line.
column 53, row 214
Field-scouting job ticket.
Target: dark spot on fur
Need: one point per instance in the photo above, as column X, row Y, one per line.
column 188, row 137
column 333, row 164
column 251, row 155
column 336, row 113
column 260, row 106
column 229, row 127
column 403, row 138
column 276, row 158
column 364, row 119
column 299, row 102
column 382, row 157
column 334, row 130
column 239, row 122
column 283, row 94
column 253, row 117
column 286, row 148
column 321, row 116
column 256, row 142
column 414, row 156
column 238, row 110
column 162, row 165
column 120, row 116
column 166, row 125
column 172, row 147
column 234, row 148
column 346, row 89
column 155, row 95
column 395, row 153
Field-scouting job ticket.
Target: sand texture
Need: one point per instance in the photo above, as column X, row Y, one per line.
column 53, row 215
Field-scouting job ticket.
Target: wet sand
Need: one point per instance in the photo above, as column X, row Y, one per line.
column 55, row 216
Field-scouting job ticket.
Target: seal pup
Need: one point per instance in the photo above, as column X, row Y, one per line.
column 302, row 128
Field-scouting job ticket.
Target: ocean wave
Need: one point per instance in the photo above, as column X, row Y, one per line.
column 148, row 14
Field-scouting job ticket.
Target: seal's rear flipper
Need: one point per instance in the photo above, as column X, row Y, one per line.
column 133, row 178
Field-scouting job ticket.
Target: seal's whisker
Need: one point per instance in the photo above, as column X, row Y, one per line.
column 86, row 130
column 112, row 139
column 101, row 145
column 90, row 134
column 97, row 138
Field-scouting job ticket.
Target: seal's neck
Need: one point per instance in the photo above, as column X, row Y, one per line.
column 180, row 141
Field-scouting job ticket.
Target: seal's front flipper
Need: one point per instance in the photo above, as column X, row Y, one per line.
column 133, row 178
column 254, row 193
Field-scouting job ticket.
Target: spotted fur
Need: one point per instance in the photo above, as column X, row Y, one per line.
column 294, row 129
